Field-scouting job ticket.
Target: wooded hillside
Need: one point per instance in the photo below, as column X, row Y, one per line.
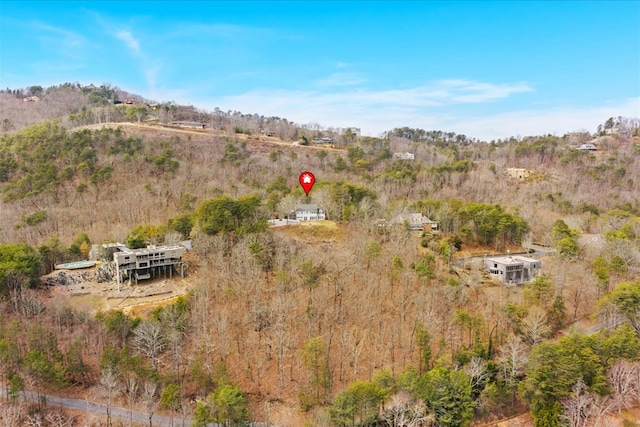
column 341, row 322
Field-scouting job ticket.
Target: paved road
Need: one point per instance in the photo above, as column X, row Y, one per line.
column 101, row 409
column 140, row 418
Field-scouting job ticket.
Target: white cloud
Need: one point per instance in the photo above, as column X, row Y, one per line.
column 129, row 40
column 473, row 92
column 341, row 79
column 66, row 37
column 433, row 106
column 441, row 93
column 150, row 67
column 558, row 121
column 63, row 42
column 373, row 111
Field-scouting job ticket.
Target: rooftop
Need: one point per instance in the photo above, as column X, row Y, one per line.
column 511, row 259
column 307, row 207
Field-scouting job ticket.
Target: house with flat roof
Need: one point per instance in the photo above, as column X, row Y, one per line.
column 513, row 270
column 142, row 264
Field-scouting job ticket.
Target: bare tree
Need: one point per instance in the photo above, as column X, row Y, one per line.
column 535, row 327
column 35, row 419
column 10, row 414
column 477, row 371
column 59, row 418
column 149, row 399
column 110, row 389
column 150, row 341
column 622, row 380
column 578, row 408
column 403, row 410
column 131, row 387
column 512, row 362
column 24, row 301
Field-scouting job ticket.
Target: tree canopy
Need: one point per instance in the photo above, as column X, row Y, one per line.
column 226, row 215
column 18, row 259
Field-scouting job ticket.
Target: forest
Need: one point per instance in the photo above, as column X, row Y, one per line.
column 351, row 321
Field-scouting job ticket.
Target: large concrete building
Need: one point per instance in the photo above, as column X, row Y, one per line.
column 513, row 270
column 142, row 264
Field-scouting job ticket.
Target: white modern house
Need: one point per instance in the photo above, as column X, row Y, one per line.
column 513, row 270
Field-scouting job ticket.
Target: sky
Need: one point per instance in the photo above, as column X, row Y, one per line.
column 485, row 69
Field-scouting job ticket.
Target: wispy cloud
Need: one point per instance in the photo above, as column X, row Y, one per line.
column 341, row 79
column 436, row 94
column 465, row 91
column 433, row 106
column 558, row 120
column 197, row 31
column 149, row 64
column 60, row 41
column 67, row 37
column 129, row 40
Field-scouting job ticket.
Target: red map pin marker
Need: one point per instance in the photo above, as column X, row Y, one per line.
column 307, row 180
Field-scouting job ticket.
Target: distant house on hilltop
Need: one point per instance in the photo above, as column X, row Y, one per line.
column 519, row 173
column 587, row 147
column 404, row 156
column 191, row 125
column 354, row 130
column 308, row 212
column 323, row 140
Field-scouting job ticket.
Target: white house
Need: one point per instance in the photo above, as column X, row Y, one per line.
column 587, row 147
column 404, row 156
column 308, row 212
column 324, row 140
column 513, row 270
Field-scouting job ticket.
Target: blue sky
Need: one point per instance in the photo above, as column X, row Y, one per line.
column 485, row 69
